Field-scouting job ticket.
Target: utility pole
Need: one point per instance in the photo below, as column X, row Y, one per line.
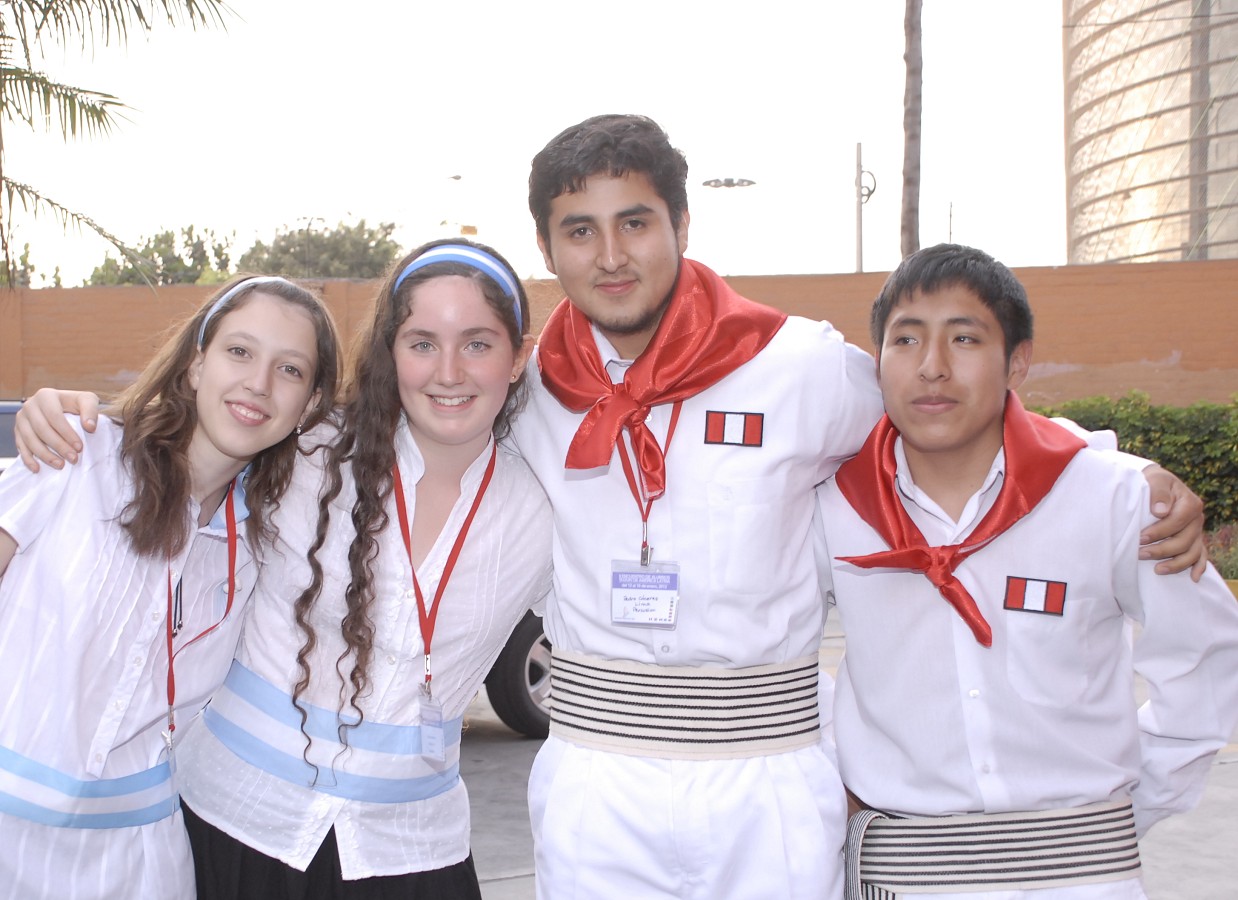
column 862, row 193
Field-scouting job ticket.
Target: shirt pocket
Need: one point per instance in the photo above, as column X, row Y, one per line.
column 1048, row 656
column 748, row 534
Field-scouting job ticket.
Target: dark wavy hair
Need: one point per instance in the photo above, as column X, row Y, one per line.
column 950, row 265
column 366, row 442
column 613, row 145
column 159, row 413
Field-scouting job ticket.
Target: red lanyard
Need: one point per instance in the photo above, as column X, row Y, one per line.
column 638, row 494
column 428, row 618
column 174, row 605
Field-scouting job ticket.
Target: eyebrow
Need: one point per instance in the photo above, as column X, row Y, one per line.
column 904, row 321
column 245, row 335
column 639, row 209
column 425, row 332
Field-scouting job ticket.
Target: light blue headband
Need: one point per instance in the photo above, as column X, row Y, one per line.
column 229, row 294
column 474, row 258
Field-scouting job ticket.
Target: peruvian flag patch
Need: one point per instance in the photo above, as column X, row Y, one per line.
column 736, row 429
column 1033, row 595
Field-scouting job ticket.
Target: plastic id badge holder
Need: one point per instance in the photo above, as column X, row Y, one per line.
column 433, row 741
column 644, row 596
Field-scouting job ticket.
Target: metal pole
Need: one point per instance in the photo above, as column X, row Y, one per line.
column 859, row 210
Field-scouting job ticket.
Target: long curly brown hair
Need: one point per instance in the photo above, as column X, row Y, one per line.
column 159, row 413
column 366, row 442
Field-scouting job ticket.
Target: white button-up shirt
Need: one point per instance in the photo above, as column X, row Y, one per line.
column 84, row 668
column 503, row 570
column 735, row 517
column 929, row 722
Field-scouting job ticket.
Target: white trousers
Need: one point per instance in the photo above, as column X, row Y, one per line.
column 607, row 825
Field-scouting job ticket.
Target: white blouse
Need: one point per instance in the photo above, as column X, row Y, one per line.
column 503, row 570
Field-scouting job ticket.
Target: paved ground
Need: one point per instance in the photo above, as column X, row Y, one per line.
column 1191, row 857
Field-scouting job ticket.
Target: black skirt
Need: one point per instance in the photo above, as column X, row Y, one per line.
column 227, row 869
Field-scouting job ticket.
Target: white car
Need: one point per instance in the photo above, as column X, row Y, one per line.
column 8, row 450
column 518, row 686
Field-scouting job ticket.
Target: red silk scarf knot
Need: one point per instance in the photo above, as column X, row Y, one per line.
column 707, row 332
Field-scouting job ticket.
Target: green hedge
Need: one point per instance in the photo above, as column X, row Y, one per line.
column 1197, row 443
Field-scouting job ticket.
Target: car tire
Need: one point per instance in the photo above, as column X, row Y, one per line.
column 518, row 685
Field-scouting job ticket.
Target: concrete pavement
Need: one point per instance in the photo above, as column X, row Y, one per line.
column 1189, row 857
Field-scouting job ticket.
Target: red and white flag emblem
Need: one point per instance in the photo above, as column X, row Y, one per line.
column 1033, row 595
column 736, row 429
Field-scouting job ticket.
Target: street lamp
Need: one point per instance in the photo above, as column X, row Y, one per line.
column 305, row 240
column 862, row 192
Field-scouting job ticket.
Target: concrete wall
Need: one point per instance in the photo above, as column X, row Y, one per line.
column 1168, row 329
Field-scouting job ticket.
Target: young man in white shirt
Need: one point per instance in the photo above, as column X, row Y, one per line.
column 985, row 565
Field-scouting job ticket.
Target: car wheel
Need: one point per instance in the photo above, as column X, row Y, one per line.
column 518, row 685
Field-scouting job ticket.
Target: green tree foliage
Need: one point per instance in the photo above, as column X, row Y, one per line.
column 33, row 100
column 1197, row 443
column 190, row 257
column 346, row 251
column 22, row 275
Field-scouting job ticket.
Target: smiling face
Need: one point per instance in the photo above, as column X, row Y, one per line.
column 616, row 252
column 253, row 382
column 454, row 363
column 944, row 375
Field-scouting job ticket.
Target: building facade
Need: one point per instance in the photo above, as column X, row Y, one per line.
column 1151, row 129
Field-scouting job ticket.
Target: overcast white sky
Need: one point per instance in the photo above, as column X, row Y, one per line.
column 305, row 110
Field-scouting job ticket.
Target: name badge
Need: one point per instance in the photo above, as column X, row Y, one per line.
column 644, row 596
column 433, row 744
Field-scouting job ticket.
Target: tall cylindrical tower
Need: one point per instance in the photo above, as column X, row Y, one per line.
column 1151, row 129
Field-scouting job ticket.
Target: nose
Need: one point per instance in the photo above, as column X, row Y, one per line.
column 934, row 363
column 448, row 370
column 612, row 254
column 259, row 381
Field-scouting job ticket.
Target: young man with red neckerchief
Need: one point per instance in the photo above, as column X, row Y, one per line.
column 985, row 566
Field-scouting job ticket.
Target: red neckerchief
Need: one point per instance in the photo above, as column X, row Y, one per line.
column 1037, row 451
column 707, row 332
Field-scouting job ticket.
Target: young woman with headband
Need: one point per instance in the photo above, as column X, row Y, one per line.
column 123, row 582
column 410, row 545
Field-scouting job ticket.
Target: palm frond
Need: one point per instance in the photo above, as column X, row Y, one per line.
column 31, row 96
column 34, row 201
column 107, row 20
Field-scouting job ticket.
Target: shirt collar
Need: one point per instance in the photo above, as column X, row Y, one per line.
column 977, row 504
column 219, row 520
column 616, row 365
column 413, row 466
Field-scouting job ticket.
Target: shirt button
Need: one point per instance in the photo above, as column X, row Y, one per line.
column 120, row 704
column 986, row 769
column 666, row 648
column 98, row 757
column 391, row 660
column 973, row 693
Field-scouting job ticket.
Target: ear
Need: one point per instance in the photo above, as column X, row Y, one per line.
column 1020, row 363
column 522, row 357
column 681, row 232
column 543, row 244
column 194, row 372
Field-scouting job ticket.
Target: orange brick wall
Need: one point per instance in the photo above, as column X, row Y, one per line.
column 1168, row 329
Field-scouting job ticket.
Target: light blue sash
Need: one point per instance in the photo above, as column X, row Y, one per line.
column 380, row 763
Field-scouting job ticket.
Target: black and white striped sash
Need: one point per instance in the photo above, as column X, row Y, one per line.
column 683, row 712
column 998, row 852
